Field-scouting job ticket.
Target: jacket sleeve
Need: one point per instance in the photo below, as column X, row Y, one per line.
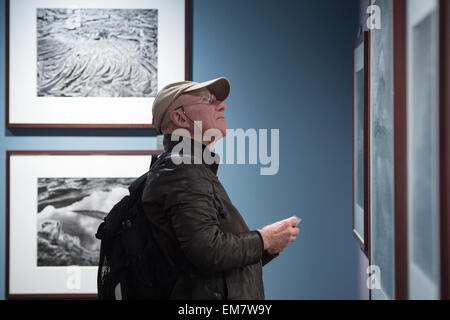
column 266, row 256
column 191, row 210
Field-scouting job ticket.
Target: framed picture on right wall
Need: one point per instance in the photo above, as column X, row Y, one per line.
column 423, row 159
column 407, row 150
column 360, row 129
column 381, row 156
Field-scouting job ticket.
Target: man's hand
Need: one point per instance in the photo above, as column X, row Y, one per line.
column 278, row 235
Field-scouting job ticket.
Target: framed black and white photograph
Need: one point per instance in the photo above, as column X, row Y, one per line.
column 382, row 253
column 360, row 136
column 79, row 63
column 55, row 202
column 69, row 211
column 423, row 149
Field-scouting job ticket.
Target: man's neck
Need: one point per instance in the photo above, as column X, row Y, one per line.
column 208, row 144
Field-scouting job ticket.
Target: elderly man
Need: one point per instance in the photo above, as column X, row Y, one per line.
column 197, row 227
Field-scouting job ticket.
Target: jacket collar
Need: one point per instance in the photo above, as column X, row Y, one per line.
column 169, row 145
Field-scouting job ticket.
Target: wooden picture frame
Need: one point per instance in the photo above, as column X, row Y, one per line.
column 76, row 77
column 42, row 231
column 361, row 63
column 444, row 116
column 400, row 151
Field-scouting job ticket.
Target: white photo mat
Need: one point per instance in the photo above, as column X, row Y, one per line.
column 25, row 107
column 358, row 210
column 25, row 277
column 423, row 284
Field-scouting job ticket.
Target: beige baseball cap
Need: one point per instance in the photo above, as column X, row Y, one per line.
column 219, row 87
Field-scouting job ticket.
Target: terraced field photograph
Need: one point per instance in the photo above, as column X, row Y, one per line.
column 97, row 52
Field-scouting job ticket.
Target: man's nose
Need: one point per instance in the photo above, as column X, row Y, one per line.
column 221, row 107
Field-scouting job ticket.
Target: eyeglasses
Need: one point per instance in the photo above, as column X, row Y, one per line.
column 208, row 99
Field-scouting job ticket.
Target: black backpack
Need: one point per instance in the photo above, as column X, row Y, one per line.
column 131, row 265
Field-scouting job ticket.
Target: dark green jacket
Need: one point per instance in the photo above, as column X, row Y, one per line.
column 198, row 228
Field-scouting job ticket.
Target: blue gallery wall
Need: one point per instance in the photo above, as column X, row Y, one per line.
column 290, row 68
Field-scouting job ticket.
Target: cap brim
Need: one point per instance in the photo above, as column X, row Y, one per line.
column 219, row 87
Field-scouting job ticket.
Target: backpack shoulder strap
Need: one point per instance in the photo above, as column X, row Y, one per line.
column 137, row 186
column 156, row 160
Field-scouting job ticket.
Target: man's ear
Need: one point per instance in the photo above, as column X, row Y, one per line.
column 179, row 119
